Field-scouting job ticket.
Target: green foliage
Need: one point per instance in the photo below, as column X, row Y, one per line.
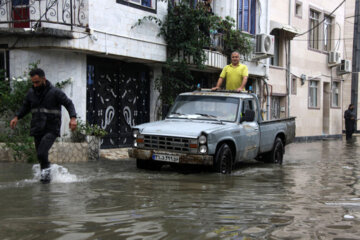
column 84, row 129
column 62, row 84
column 12, row 95
column 186, row 31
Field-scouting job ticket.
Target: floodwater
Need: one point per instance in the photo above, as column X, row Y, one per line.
column 315, row 194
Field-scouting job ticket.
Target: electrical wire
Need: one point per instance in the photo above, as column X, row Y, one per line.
column 317, row 25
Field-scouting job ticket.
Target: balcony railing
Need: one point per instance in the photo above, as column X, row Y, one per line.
column 59, row 14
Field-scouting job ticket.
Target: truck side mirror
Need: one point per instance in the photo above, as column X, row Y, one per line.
column 249, row 116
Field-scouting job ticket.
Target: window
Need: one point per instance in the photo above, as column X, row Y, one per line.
column 4, row 62
column 314, row 29
column 248, row 104
column 247, row 16
column 149, row 5
column 293, row 85
column 274, row 61
column 335, row 94
column 298, row 9
column 327, row 33
column 20, row 13
column 313, row 94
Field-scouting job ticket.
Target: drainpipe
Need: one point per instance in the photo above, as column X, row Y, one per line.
column 267, row 62
column 289, row 62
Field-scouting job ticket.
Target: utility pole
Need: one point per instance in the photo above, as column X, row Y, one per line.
column 356, row 59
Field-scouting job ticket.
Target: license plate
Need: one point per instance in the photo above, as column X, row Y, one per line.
column 165, row 158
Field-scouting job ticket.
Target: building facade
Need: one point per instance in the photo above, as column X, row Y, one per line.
column 113, row 65
column 304, row 72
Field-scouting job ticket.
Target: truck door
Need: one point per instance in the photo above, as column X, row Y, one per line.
column 250, row 130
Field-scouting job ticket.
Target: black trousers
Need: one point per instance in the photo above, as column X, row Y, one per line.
column 43, row 144
column 349, row 133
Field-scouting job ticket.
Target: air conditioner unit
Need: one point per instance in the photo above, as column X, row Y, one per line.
column 265, row 44
column 345, row 66
column 334, row 58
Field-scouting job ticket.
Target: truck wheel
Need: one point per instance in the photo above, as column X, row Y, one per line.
column 277, row 154
column 224, row 159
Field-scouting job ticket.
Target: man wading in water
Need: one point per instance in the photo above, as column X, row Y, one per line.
column 45, row 101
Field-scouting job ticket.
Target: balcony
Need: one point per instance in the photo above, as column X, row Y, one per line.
column 44, row 17
column 215, row 60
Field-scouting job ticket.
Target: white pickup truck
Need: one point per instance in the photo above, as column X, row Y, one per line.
column 217, row 128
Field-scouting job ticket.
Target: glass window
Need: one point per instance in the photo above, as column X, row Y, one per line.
column 20, row 2
column 205, row 107
column 335, row 94
column 313, row 94
column 275, row 59
column 314, row 30
column 327, row 33
column 144, row 4
column 247, row 16
column 298, row 9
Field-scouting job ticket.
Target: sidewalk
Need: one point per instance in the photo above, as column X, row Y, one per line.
column 114, row 153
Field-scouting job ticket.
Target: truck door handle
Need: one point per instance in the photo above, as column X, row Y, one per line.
column 256, row 129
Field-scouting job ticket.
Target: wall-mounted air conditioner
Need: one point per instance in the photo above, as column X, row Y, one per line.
column 265, row 44
column 345, row 67
column 334, row 58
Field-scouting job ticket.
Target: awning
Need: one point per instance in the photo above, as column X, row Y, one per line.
column 289, row 31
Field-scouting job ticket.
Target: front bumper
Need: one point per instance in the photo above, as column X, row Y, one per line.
column 195, row 159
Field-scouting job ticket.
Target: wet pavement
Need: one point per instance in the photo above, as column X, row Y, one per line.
column 315, row 194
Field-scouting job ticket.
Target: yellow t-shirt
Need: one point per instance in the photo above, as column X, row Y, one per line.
column 234, row 75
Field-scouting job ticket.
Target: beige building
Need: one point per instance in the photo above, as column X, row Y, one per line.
column 303, row 75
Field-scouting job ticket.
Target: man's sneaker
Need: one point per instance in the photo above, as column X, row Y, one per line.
column 45, row 175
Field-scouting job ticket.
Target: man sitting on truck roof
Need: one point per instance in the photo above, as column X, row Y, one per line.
column 236, row 74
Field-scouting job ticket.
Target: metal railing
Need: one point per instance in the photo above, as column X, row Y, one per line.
column 61, row 14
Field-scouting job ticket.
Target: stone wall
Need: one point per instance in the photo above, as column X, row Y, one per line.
column 60, row 152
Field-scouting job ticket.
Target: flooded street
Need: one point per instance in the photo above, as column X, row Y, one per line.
column 315, row 194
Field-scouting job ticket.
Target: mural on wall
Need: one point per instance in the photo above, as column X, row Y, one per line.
column 118, row 98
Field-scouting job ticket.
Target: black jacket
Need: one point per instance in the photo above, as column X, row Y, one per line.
column 349, row 123
column 46, row 109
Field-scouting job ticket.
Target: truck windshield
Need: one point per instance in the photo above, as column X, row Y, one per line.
column 205, row 107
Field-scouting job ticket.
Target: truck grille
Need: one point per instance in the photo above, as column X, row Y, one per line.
column 174, row 144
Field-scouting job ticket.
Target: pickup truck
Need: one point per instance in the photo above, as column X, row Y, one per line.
column 214, row 128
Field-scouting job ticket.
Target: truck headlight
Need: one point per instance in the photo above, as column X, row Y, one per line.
column 135, row 143
column 202, row 139
column 135, row 133
column 203, row 149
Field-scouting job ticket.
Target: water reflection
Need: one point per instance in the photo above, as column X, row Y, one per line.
column 314, row 195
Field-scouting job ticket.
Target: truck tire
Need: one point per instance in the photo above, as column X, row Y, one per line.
column 277, row 153
column 224, row 159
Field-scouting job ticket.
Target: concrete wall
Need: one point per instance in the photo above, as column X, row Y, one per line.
column 58, row 66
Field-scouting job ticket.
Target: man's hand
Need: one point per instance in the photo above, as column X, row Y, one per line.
column 240, row 89
column 72, row 124
column 215, row 88
column 13, row 122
